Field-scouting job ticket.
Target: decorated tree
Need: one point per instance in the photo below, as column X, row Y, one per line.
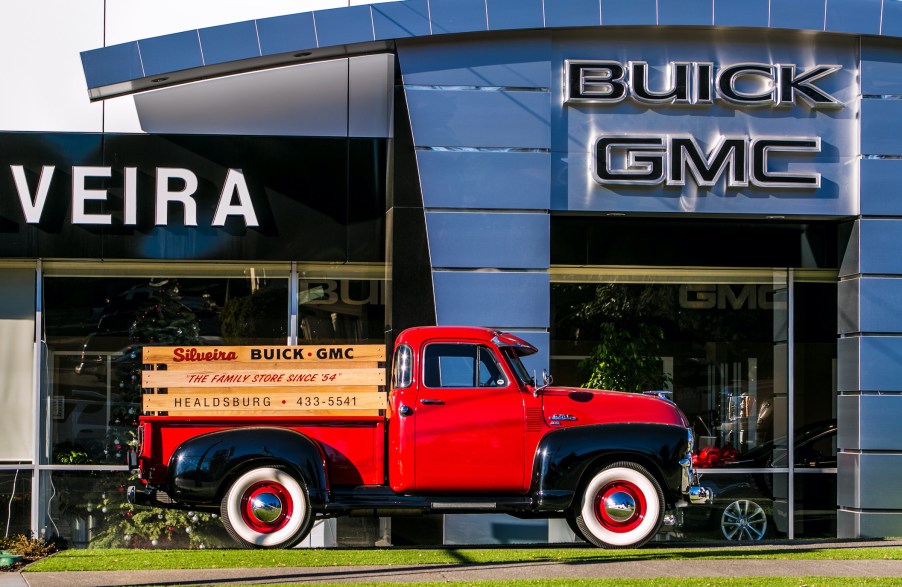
column 164, row 320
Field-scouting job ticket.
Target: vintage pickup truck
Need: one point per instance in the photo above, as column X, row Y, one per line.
column 462, row 428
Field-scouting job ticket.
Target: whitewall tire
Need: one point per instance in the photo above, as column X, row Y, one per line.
column 267, row 508
column 622, row 506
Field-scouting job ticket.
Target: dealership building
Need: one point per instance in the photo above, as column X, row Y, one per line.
column 706, row 182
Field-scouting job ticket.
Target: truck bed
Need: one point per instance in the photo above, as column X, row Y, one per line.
column 353, row 446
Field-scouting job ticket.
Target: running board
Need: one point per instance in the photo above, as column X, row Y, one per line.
column 462, row 505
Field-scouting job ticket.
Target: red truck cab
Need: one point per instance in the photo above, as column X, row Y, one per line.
column 466, row 429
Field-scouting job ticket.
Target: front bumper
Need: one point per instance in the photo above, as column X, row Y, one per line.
column 690, row 487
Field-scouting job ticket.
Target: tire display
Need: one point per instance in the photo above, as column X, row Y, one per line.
column 743, row 520
column 622, row 506
column 267, row 507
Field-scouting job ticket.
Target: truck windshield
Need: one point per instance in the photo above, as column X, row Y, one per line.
column 517, row 367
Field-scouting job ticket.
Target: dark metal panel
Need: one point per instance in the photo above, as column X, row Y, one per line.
column 848, row 353
column 481, row 119
column 854, row 16
column 878, row 423
column 850, row 249
column 880, row 195
column 229, row 42
column 879, row 524
column 343, row 26
column 488, row 180
column 397, row 20
column 848, row 314
column 881, row 127
column 515, row 14
column 879, row 300
column 500, row 299
column 685, row 12
column 891, row 24
column 457, row 16
column 110, row 65
column 629, row 12
column 797, row 14
column 878, row 476
column 881, row 67
column 847, row 478
column 747, row 13
column 510, row 61
column 880, row 363
column 569, row 13
column 479, row 239
column 848, row 422
column 171, row 53
column 879, row 243
column 284, row 34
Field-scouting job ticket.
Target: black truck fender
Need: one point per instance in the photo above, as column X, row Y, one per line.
column 202, row 467
column 563, row 458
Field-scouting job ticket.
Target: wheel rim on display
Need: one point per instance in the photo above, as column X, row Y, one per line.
column 266, row 507
column 743, row 520
column 620, row 506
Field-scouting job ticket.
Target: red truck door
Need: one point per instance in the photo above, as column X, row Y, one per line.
column 469, row 421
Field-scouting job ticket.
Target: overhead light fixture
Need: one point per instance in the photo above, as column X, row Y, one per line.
column 302, row 54
column 157, row 80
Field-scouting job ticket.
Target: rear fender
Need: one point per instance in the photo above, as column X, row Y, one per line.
column 201, row 468
column 565, row 456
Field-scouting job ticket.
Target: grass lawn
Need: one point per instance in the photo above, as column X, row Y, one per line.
column 664, row 582
column 126, row 559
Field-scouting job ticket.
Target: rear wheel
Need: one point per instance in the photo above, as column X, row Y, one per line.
column 267, row 508
column 622, row 506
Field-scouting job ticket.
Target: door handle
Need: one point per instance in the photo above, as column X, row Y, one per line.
column 432, row 402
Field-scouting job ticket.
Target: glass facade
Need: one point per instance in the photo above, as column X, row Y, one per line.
column 96, row 319
column 748, row 355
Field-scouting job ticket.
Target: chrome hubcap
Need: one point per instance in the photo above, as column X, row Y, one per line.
column 620, row 506
column 266, row 507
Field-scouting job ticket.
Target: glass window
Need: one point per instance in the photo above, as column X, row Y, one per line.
column 461, row 365
column 716, row 340
column 89, row 509
column 347, row 306
column 15, row 502
column 96, row 327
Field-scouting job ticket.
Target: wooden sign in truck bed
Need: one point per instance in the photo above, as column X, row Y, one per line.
column 264, row 380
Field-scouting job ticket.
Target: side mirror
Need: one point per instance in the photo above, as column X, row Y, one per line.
column 547, row 380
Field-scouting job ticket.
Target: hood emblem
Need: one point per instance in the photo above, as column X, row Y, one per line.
column 563, row 417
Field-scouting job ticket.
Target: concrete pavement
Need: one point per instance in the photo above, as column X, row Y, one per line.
column 721, row 567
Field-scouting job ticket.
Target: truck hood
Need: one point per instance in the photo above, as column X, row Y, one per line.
column 569, row 406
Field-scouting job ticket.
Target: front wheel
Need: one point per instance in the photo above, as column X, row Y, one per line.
column 622, row 506
column 267, row 508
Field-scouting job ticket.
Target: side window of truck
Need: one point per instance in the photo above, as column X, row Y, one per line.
column 461, row 365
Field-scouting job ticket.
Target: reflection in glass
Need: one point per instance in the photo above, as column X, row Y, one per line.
column 96, row 329
column 15, row 503
column 719, row 347
column 89, row 510
column 341, row 310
